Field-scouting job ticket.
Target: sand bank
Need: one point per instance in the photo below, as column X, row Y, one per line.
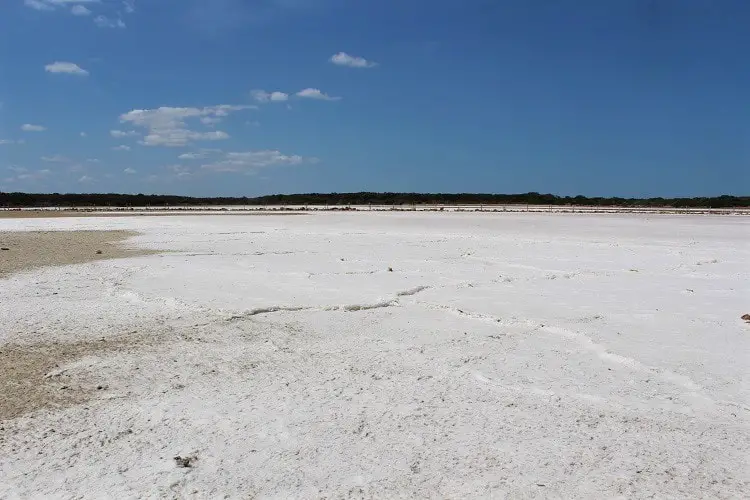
column 25, row 250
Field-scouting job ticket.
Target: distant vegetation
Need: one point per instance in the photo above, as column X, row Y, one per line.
column 344, row 199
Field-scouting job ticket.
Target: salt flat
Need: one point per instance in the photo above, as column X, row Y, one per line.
column 387, row 354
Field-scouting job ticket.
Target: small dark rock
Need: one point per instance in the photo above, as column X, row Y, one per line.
column 390, row 269
column 746, row 317
column 184, row 462
column 5, row 248
column 98, row 252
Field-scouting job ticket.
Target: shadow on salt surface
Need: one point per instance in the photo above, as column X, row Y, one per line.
column 346, row 307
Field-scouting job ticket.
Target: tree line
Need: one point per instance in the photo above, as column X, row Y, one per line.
column 20, row 200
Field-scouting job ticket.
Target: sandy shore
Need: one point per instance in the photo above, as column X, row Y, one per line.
column 23, row 250
column 29, row 382
column 33, row 378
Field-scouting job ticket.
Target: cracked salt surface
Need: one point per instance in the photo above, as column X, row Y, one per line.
column 279, row 357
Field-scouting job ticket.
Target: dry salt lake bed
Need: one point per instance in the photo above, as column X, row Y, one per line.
column 342, row 355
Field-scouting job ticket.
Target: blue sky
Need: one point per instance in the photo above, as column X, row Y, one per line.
column 249, row 97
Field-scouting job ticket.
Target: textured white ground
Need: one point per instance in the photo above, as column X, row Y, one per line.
column 506, row 355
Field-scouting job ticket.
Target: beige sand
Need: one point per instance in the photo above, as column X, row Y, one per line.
column 32, row 378
column 26, row 384
column 30, row 250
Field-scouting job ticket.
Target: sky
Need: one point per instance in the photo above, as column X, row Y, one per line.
column 250, row 97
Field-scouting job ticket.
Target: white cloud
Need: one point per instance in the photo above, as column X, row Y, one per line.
column 38, row 4
column 80, row 10
column 85, row 179
column 93, row 160
column 120, row 133
column 105, row 22
column 65, row 67
column 167, row 126
column 279, row 97
column 84, row 134
column 18, row 170
column 52, row 4
column 263, row 96
column 311, row 93
column 225, row 109
column 180, row 171
column 182, row 137
column 55, row 159
column 33, row 176
column 191, row 156
column 252, row 160
column 344, row 59
column 11, row 141
column 210, row 120
column 121, row 147
column 28, row 127
column 130, row 171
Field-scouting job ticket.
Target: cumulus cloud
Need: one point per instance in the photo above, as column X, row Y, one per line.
column 38, row 4
column 167, row 126
column 180, row 171
column 28, row 127
column 130, row 171
column 65, row 67
column 26, row 175
column 80, row 10
column 263, row 96
column 105, row 22
column 53, row 4
column 119, row 133
column 311, row 93
column 252, row 160
column 181, row 137
column 121, row 147
column 344, row 59
column 192, row 156
column 84, row 179
column 210, row 120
